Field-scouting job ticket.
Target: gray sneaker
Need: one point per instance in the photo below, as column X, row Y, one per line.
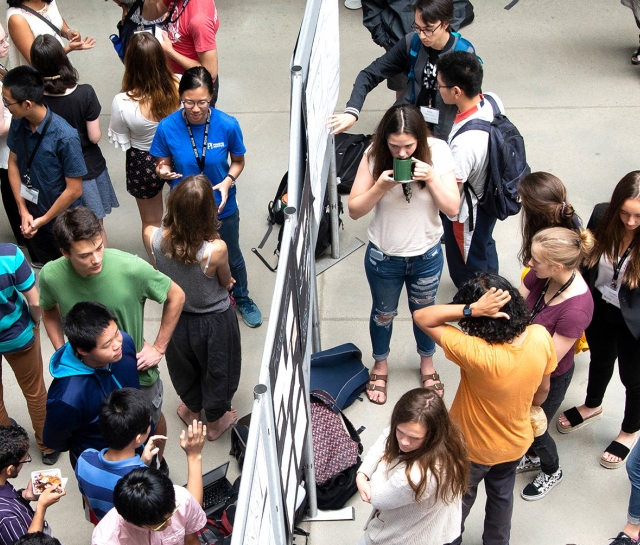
column 528, row 463
column 541, row 485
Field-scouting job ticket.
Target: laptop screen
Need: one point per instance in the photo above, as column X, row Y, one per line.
column 215, row 475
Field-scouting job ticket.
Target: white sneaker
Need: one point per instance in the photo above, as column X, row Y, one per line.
column 541, row 485
column 528, row 463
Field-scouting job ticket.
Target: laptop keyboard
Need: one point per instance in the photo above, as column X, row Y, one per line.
column 211, row 498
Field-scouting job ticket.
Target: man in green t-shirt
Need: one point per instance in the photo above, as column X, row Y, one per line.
column 120, row 281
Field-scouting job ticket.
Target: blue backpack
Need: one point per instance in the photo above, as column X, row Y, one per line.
column 460, row 45
column 507, row 166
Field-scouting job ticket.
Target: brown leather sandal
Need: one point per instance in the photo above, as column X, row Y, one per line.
column 375, row 388
column 439, row 387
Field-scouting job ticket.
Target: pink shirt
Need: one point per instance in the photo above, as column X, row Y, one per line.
column 195, row 30
column 188, row 519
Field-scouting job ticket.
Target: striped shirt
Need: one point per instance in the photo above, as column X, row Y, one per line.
column 97, row 477
column 15, row 516
column 16, row 275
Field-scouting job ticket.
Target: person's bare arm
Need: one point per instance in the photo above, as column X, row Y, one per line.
column 191, row 539
column 218, row 263
column 53, row 325
column 152, row 10
column 21, row 35
column 192, row 442
column 542, row 391
column 432, row 320
column 93, row 130
column 50, row 496
column 522, row 289
column 163, row 169
column 443, row 188
column 151, row 355
column 562, row 345
column 366, row 192
column 235, row 169
column 33, row 300
column 4, row 123
column 208, row 59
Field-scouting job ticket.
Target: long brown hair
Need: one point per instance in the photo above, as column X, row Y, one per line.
column 544, row 205
column 147, row 76
column 443, row 454
column 402, row 119
column 610, row 230
column 191, row 219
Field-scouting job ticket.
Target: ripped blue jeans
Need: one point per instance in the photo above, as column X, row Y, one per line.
column 386, row 275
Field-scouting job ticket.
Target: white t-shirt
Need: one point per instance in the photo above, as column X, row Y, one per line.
column 38, row 27
column 128, row 128
column 406, row 229
column 470, row 153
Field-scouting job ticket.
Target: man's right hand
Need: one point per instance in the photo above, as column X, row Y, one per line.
column 50, row 496
column 26, row 226
column 341, row 122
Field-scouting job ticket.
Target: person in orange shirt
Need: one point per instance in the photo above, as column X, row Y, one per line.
column 505, row 367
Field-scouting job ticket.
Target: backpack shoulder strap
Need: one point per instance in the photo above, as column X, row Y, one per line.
column 494, row 104
column 133, row 9
column 473, row 125
column 34, row 12
column 413, row 54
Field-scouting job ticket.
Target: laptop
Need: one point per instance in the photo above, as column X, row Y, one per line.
column 216, row 489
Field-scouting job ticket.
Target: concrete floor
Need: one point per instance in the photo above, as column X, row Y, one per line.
column 562, row 70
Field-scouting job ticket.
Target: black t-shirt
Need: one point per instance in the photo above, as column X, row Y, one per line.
column 76, row 108
column 428, row 92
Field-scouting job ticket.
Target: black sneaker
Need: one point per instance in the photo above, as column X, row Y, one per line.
column 50, row 459
column 623, row 539
column 541, row 485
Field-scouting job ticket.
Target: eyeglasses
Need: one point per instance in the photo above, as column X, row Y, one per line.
column 27, row 461
column 438, row 86
column 7, row 104
column 189, row 104
column 161, row 526
column 427, row 32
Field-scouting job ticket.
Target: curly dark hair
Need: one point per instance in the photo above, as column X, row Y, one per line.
column 14, row 444
column 493, row 330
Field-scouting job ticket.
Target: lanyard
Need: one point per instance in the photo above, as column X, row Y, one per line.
column 27, row 178
column 538, row 307
column 199, row 159
column 617, row 266
column 173, row 7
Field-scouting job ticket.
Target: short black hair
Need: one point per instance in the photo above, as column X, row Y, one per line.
column 144, row 497
column 74, row 225
column 124, row 414
column 37, row 538
column 85, row 322
column 462, row 69
column 493, row 330
column 14, row 444
column 196, row 77
column 432, row 11
column 24, row 83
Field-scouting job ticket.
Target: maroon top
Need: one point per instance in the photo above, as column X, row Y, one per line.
column 568, row 318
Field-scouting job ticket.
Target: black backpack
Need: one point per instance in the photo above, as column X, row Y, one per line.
column 349, row 151
column 275, row 210
column 507, row 165
column 127, row 28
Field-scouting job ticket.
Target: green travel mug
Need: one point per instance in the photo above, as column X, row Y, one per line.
column 402, row 169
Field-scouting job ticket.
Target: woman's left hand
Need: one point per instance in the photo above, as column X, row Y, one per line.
column 224, row 186
column 422, row 172
column 73, row 35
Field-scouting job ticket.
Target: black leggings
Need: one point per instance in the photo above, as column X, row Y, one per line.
column 609, row 338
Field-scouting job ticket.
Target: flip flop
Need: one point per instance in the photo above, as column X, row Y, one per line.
column 619, row 450
column 439, row 387
column 375, row 388
column 575, row 420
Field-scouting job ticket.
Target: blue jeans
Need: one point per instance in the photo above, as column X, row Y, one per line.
column 633, row 470
column 386, row 275
column 230, row 233
column 544, row 446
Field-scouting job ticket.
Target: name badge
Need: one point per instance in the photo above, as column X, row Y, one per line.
column 431, row 115
column 29, row 194
column 610, row 296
